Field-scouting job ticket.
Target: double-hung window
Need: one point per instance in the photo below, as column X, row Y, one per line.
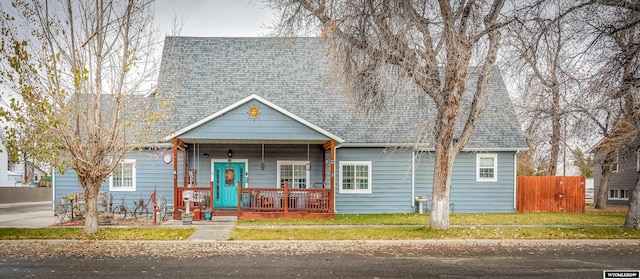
column 123, row 177
column 618, row 194
column 355, row 177
column 486, row 167
column 294, row 172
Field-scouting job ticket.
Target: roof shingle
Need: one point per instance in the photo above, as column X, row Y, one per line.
column 205, row 75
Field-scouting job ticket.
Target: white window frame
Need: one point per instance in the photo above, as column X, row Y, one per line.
column 133, row 178
column 618, row 196
column 616, row 164
column 294, row 163
column 494, row 156
column 368, row 164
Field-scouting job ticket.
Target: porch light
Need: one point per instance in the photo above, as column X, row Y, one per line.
column 205, row 155
column 230, row 154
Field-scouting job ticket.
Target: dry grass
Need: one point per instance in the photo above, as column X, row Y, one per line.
column 611, row 216
column 611, row 208
column 114, row 222
column 414, row 233
column 593, row 224
column 112, row 233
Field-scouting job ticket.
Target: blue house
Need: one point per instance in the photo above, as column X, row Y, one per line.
column 261, row 128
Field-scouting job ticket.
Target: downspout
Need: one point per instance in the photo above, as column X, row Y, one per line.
column 413, row 178
column 175, row 177
column 515, row 181
column 53, row 188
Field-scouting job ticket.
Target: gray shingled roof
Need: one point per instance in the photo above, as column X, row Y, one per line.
column 208, row 74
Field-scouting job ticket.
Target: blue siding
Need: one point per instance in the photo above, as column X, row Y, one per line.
column 391, row 188
column 271, row 125
column 150, row 172
column 391, row 176
column 391, row 182
column 469, row 195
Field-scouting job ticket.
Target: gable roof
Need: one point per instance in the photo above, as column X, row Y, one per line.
column 271, row 105
column 207, row 76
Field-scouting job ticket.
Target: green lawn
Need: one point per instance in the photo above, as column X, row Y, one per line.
column 415, row 233
column 414, row 227
column 140, row 233
column 554, row 218
column 608, row 227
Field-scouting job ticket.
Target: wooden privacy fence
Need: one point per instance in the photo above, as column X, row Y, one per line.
column 550, row 193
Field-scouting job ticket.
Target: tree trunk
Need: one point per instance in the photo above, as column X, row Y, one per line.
column 439, row 219
column 603, row 188
column 25, row 171
column 555, row 132
column 443, row 166
column 91, row 189
column 633, row 216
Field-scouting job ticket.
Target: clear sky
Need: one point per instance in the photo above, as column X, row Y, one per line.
column 214, row 18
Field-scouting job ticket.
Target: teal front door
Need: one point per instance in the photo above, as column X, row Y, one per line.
column 227, row 177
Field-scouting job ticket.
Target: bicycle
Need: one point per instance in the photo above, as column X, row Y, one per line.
column 120, row 211
column 141, row 209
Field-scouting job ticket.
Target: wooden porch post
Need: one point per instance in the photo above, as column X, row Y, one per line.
column 211, row 198
column 333, row 178
column 331, row 145
column 285, row 201
column 184, row 173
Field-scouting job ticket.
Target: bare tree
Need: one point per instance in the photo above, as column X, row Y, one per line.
column 429, row 43
column 74, row 71
column 597, row 116
column 615, row 25
column 544, row 51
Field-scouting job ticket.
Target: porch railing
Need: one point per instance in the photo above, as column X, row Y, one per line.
column 263, row 199
column 198, row 197
column 284, row 200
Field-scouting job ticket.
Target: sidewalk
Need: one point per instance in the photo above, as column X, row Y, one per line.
column 218, row 229
column 27, row 215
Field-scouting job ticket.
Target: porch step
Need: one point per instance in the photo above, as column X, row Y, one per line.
column 224, row 218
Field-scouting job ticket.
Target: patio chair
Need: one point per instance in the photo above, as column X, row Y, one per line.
column 62, row 209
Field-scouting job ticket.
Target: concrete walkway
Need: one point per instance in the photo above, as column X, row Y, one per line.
column 218, row 229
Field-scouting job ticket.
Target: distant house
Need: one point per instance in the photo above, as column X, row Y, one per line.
column 33, row 172
column 12, row 174
column 622, row 181
column 259, row 129
column 5, row 178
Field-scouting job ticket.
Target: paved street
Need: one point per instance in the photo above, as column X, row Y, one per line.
column 346, row 259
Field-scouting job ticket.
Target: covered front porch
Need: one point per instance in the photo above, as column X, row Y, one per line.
column 254, row 159
column 243, row 184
